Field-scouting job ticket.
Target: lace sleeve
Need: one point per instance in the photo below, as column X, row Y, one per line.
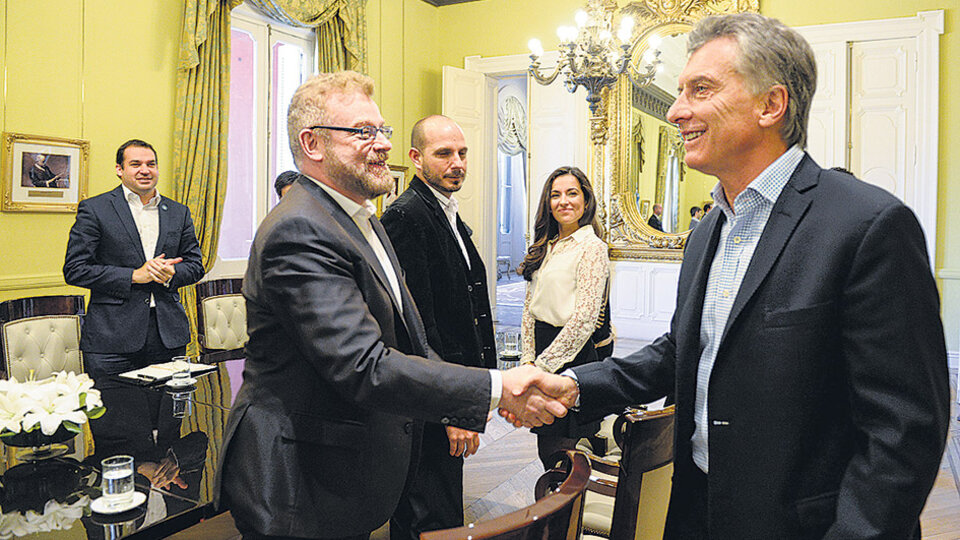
column 528, row 348
column 592, row 272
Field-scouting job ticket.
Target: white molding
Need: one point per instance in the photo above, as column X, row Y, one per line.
column 953, row 360
column 926, row 27
column 924, row 21
column 948, row 273
column 513, row 64
column 38, row 281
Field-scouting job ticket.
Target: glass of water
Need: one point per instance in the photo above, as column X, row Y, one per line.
column 181, row 377
column 182, row 403
column 117, row 480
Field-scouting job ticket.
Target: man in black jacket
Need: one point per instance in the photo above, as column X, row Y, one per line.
column 448, row 282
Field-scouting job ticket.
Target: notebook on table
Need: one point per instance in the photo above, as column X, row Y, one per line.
column 159, row 373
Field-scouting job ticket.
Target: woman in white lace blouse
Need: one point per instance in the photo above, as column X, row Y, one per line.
column 568, row 268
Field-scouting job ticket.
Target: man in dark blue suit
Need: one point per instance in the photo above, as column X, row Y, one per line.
column 134, row 249
column 806, row 354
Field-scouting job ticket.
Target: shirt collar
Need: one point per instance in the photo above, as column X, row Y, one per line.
column 154, row 201
column 356, row 211
column 769, row 183
column 581, row 234
column 449, row 204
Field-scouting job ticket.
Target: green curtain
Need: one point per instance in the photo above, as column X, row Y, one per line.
column 200, row 168
column 340, row 25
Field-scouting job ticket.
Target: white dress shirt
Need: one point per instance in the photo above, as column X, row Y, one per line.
column 147, row 219
column 450, row 205
column 361, row 215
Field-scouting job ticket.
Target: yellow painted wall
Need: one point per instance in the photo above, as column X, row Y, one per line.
column 104, row 72
column 404, row 60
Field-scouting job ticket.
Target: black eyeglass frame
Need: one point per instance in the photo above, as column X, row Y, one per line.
column 366, row 133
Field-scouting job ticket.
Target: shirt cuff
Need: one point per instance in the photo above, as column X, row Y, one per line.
column 570, row 373
column 496, row 388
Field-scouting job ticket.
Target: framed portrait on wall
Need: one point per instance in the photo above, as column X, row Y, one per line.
column 400, row 182
column 43, row 174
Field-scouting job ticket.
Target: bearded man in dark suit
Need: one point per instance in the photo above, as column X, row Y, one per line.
column 806, row 354
column 449, row 284
column 322, row 434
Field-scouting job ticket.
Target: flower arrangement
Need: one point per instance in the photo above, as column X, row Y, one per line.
column 56, row 516
column 65, row 399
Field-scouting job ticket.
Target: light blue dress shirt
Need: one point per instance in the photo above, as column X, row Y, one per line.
column 739, row 235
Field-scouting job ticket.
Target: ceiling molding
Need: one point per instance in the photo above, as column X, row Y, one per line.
column 439, row 3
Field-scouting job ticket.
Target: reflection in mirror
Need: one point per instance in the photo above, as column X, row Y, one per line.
column 666, row 183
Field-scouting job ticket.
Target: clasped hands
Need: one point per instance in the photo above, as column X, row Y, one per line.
column 158, row 269
column 162, row 474
column 532, row 397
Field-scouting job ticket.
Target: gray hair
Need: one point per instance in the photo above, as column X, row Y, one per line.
column 308, row 105
column 770, row 53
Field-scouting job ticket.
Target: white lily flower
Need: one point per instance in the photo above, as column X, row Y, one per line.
column 47, row 403
column 11, row 415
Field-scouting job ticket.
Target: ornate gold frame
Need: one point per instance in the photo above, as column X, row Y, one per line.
column 18, row 198
column 628, row 235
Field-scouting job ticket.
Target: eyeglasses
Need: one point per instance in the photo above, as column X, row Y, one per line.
column 365, row 133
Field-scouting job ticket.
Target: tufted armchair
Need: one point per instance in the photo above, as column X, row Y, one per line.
column 221, row 320
column 41, row 335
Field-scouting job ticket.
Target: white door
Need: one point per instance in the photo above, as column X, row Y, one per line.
column 465, row 101
column 557, row 137
column 876, row 109
column 883, row 88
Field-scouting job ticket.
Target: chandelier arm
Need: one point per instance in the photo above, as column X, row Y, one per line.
column 534, row 72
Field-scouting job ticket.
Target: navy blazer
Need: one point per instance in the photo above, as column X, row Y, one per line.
column 829, row 397
column 319, row 440
column 104, row 249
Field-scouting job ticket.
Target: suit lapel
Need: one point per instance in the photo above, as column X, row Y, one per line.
column 163, row 215
column 433, row 204
column 353, row 231
column 701, row 260
column 410, row 315
column 126, row 219
column 786, row 214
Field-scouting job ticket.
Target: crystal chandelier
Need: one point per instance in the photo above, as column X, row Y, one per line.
column 591, row 57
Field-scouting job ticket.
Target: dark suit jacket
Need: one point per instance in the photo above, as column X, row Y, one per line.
column 103, row 251
column 453, row 300
column 654, row 222
column 319, row 440
column 829, row 397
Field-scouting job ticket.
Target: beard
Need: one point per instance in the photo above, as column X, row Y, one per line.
column 369, row 179
column 454, row 180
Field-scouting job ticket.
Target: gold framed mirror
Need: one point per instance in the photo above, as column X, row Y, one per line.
column 646, row 169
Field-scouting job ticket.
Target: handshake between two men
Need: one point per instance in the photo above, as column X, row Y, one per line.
column 533, row 397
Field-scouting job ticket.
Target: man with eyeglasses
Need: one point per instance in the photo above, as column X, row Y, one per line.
column 321, row 436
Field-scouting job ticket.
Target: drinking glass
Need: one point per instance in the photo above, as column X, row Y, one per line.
column 511, row 343
column 117, row 480
column 182, row 374
column 182, row 404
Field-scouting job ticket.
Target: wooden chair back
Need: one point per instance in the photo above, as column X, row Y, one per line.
column 555, row 516
column 646, row 470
